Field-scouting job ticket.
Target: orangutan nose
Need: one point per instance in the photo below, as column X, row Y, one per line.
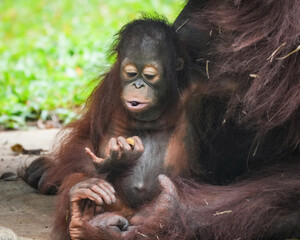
column 138, row 84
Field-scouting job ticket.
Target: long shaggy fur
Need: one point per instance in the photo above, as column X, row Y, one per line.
column 253, row 38
column 246, row 106
column 104, row 104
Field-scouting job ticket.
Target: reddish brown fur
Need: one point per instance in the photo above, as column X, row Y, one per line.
column 250, row 209
column 105, row 117
column 248, row 33
column 226, row 108
column 265, row 205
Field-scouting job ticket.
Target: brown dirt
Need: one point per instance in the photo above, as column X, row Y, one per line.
column 22, row 209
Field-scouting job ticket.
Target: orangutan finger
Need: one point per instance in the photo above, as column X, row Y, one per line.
column 167, row 185
column 114, row 148
column 108, row 185
column 108, row 191
column 104, row 195
column 96, row 159
column 139, row 146
column 126, row 147
column 85, row 193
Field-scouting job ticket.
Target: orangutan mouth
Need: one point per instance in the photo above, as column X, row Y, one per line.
column 136, row 106
column 134, row 103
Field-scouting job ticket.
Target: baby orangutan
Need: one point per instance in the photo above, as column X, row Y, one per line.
column 149, row 73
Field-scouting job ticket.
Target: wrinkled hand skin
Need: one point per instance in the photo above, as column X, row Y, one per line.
column 121, row 155
column 97, row 190
column 112, row 222
column 120, row 150
column 165, row 204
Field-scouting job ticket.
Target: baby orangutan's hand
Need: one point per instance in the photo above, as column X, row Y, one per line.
column 96, row 159
column 126, row 150
column 120, row 149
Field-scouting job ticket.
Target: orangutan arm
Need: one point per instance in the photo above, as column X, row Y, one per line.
column 263, row 206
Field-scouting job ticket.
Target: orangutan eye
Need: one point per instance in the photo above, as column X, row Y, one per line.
column 150, row 73
column 131, row 74
column 149, row 76
column 130, row 71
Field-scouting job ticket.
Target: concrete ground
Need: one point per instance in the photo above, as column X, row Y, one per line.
column 23, row 212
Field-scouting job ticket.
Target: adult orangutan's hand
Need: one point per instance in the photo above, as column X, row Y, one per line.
column 163, row 207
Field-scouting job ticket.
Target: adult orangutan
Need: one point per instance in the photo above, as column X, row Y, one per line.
column 244, row 54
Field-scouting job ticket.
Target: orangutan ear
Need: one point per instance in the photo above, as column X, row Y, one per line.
column 180, row 64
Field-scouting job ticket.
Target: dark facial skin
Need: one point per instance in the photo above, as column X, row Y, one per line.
column 142, row 76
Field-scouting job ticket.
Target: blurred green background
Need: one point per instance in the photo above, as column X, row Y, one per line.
column 51, row 50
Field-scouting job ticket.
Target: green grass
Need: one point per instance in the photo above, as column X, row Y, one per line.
column 51, row 50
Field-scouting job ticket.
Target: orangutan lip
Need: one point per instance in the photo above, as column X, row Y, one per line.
column 135, row 105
